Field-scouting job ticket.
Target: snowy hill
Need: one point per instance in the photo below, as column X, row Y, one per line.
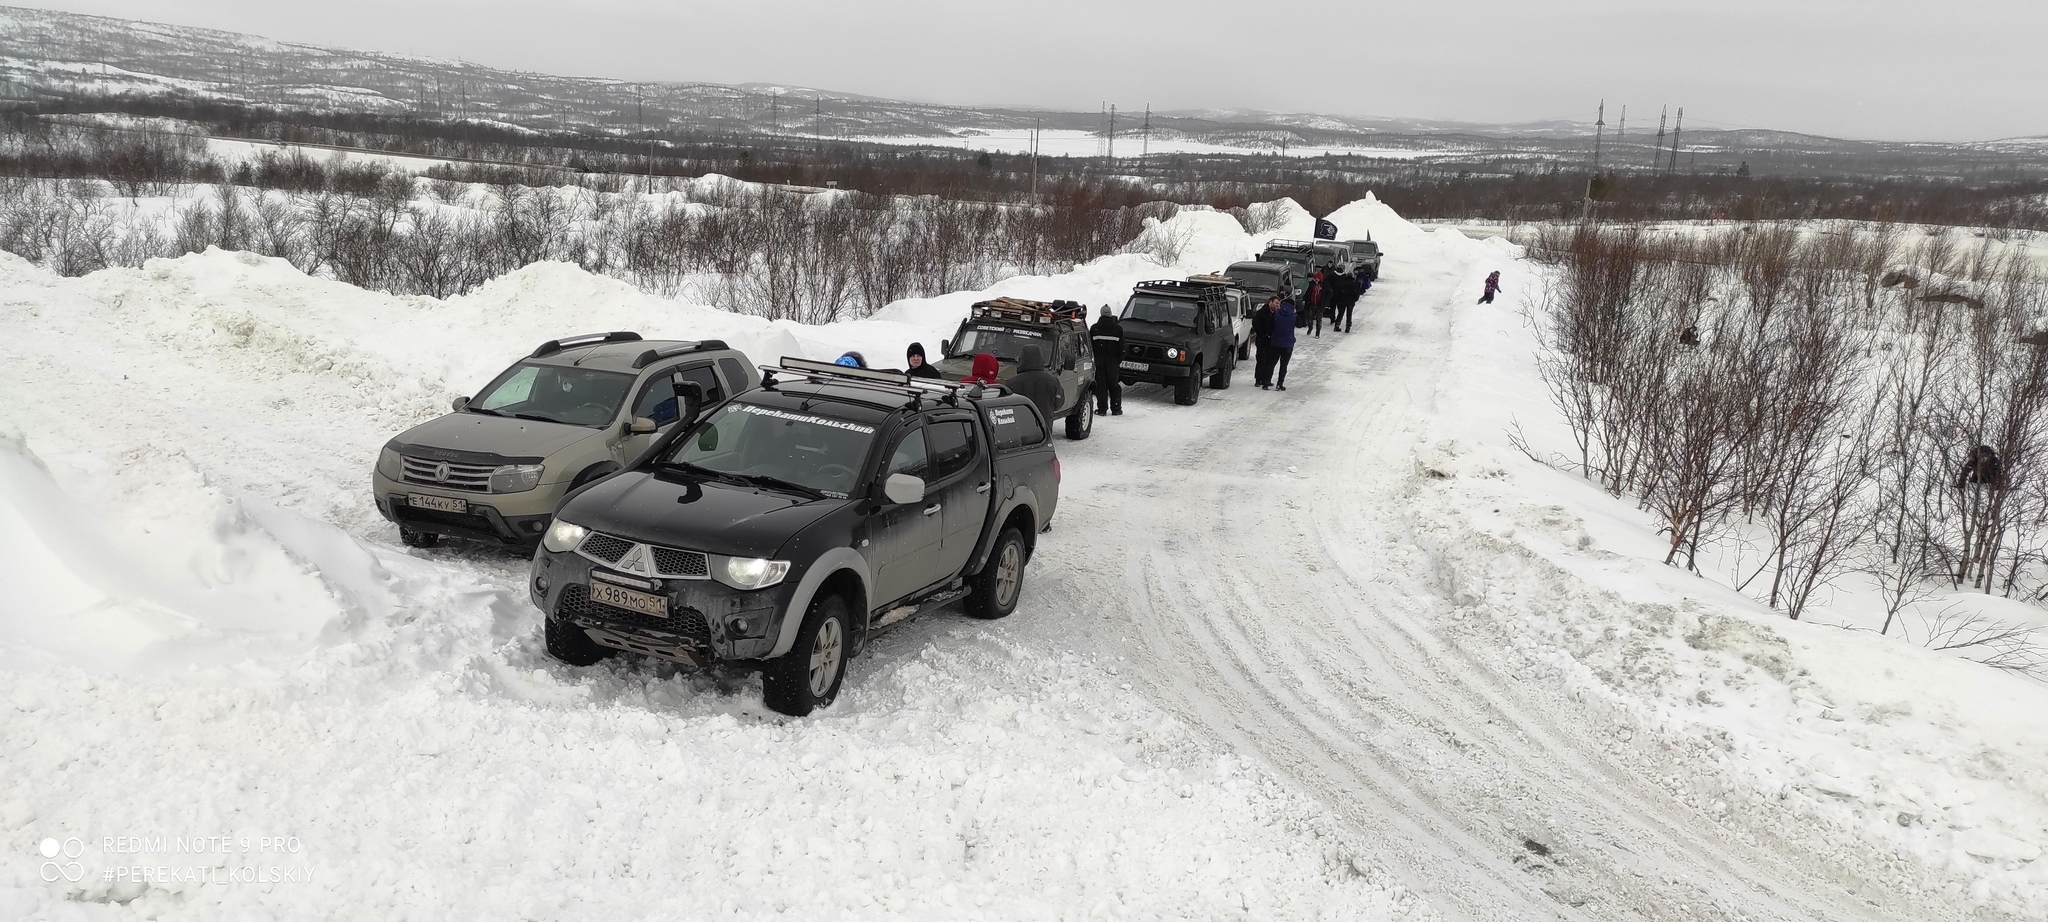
column 1338, row 652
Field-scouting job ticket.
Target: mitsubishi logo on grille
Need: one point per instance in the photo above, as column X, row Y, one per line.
column 635, row 561
column 441, row 472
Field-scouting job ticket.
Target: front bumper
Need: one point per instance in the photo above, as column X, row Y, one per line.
column 505, row 518
column 707, row 620
column 1153, row 373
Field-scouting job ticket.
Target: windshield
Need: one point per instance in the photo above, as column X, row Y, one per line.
column 1160, row 310
column 1006, row 343
column 1299, row 259
column 756, row 442
column 556, row 394
column 1257, row 279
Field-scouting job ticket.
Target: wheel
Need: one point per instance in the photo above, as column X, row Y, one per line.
column 412, row 538
column 808, row 676
column 1189, row 389
column 1082, row 420
column 1221, row 379
column 568, row 643
column 1244, row 351
column 993, row 592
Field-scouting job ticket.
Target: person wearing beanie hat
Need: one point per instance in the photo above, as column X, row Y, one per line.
column 918, row 367
column 1107, row 336
column 852, row 360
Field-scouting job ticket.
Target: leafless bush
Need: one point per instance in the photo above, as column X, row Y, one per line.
column 1994, row 642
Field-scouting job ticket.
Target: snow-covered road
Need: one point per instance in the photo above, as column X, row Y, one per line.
column 1275, row 660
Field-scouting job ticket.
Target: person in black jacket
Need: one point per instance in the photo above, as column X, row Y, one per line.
column 1344, row 296
column 913, row 357
column 1108, row 337
column 1262, row 342
column 1981, row 465
column 1033, row 381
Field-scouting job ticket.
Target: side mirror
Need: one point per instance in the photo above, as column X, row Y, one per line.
column 903, row 489
column 945, row 348
column 690, row 395
column 460, row 404
column 640, row 425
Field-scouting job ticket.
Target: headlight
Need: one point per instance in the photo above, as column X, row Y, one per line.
column 563, row 535
column 1173, row 353
column 515, row 478
column 749, row 572
column 391, row 464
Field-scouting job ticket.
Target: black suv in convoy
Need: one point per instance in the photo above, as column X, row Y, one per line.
column 1178, row 332
column 1261, row 280
column 1003, row 328
column 1366, row 253
column 783, row 527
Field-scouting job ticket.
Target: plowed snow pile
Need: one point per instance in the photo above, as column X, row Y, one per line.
column 1332, row 653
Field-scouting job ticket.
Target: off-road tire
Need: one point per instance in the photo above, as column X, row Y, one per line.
column 1221, row 379
column 1081, row 421
column 787, row 685
column 1244, row 351
column 993, row 592
column 568, row 643
column 1188, row 391
column 411, row 538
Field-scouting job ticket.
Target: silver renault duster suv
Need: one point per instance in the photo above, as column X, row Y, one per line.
column 570, row 413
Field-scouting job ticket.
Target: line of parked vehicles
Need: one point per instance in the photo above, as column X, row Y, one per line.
column 684, row 504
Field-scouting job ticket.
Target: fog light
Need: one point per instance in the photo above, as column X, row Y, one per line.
column 540, row 583
column 740, row 626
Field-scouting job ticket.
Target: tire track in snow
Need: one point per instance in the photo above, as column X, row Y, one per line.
column 1285, row 610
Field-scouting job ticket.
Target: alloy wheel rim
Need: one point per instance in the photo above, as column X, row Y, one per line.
column 1006, row 574
column 825, row 651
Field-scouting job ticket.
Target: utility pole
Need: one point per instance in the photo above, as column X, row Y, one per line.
column 1675, row 129
column 1622, row 127
column 1036, row 124
column 1657, row 153
column 1145, row 152
column 1112, row 132
column 1599, row 129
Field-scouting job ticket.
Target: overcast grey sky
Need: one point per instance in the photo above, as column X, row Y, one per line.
column 1893, row 69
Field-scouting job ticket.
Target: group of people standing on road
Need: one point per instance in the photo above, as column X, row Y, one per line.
column 1334, row 294
column 1330, row 291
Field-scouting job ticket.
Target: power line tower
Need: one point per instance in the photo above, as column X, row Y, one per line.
column 1657, row 153
column 1676, row 127
column 1620, row 128
column 1112, row 132
column 1145, row 151
column 1599, row 129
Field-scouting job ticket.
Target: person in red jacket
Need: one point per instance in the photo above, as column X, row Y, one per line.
column 985, row 370
column 1492, row 287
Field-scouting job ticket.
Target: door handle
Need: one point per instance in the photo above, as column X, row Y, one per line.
column 928, row 510
column 983, row 488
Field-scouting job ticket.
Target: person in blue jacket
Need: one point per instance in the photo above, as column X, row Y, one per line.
column 1282, row 342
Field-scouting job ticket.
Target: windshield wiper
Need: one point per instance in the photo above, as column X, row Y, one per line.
column 538, row 419
column 702, row 471
column 790, row 485
column 477, row 409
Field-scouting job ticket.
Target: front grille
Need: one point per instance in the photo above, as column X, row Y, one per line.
column 687, row 624
column 644, row 559
column 475, row 478
column 604, row 547
column 671, row 562
column 1144, row 352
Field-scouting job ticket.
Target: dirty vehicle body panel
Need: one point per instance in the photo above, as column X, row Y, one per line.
column 1261, row 280
column 1178, row 332
column 572, row 411
column 1004, row 326
column 714, row 548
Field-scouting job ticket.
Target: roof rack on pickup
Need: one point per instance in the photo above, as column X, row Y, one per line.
column 1027, row 310
column 898, row 381
column 1195, row 285
column 655, row 355
column 553, row 346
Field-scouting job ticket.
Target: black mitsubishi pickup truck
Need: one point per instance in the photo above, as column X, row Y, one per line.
column 782, row 528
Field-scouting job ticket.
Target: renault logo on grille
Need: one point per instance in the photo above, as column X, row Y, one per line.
column 441, row 472
column 635, row 561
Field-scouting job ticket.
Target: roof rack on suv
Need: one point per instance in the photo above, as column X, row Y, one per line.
column 655, row 355
column 553, row 346
column 898, row 381
column 1293, row 244
column 1194, row 285
column 1210, row 278
column 1023, row 309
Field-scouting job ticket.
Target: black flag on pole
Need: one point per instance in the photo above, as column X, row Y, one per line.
column 1325, row 229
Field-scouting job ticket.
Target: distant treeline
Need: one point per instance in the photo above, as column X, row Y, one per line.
column 1495, row 187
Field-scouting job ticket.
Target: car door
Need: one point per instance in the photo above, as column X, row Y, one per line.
column 903, row 541
column 959, row 486
column 1076, row 379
